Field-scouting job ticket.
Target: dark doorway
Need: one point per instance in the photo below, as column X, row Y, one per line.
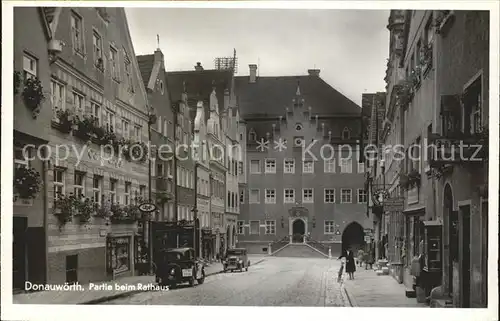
column 453, row 234
column 19, row 252
column 234, row 236
column 71, row 269
column 229, row 238
column 298, row 231
column 353, row 237
column 465, row 264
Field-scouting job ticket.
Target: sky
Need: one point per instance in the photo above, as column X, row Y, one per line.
column 350, row 47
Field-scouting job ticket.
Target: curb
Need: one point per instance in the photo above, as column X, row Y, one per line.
column 130, row 293
column 351, row 299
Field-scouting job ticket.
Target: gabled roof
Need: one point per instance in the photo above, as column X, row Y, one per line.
column 269, row 96
column 146, row 63
column 199, row 86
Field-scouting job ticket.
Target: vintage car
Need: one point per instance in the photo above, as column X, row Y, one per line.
column 179, row 265
column 236, row 259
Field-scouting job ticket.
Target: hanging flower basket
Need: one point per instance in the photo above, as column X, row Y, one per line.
column 65, row 207
column 65, row 121
column 27, row 182
column 123, row 214
column 33, row 94
column 85, row 127
column 135, row 151
column 103, row 211
column 84, row 208
column 17, row 82
column 163, row 198
column 404, row 93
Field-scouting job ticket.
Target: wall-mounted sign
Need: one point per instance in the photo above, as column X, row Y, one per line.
column 394, row 204
column 379, row 196
column 368, row 239
column 147, row 207
column 337, row 232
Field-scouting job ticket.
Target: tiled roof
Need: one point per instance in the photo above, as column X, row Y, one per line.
column 269, row 96
column 146, row 63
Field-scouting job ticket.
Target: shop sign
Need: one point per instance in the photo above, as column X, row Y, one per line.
column 147, row 207
column 368, row 239
column 394, row 204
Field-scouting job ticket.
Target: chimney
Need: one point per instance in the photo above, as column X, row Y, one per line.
column 198, row 67
column 253, row 73
column 313, row 72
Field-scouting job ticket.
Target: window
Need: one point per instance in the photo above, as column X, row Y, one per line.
column 307, row 195
column 58, row 182
column 254, row 227
column 473, row 108
column 126, row 193
column 96, row 112
column 345, row 195
column 78, row 102
column 270, row 166
column 270, row 196
column 77, row 32
column 21, row 158
column 329, row 227
column 79, row 184
column 289, row 166
column 112, row 190
column 137, row 133
column 125, row 129
column 240, row 168
column 113, row 57
column 128, row 75
column 242, row 197
column 415, row 155
column 254, row 196
column 346, row 165
column 429, row 31
column 29, row 67
column 240, row 227
column 346, row 134
column 361, row 167
column 97, row 188
column 97, row 41
column 110, row 121
column 252, row 136
column 142, row 191
column 58, row 95
column 289, row 195
column 270, row 227
column 165, row 132
column 329, row 195
column 308, row 166
column 361, row 196
column 419, row 57
column 160, row 170
column 329, row 166
column 255, row 166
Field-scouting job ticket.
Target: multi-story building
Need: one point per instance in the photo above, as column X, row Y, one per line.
column 32, row 116
column 97, row 98
column 304, row 175
column 153, row 73
column 208, row 87
column 437, row 93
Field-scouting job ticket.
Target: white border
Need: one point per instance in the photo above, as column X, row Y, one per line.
column 59, row 312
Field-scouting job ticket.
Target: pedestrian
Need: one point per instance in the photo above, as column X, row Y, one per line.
column 361, row 255
column 341, row 274
column 350, row 264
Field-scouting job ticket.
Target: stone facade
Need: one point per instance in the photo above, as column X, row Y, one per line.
column 294, row 185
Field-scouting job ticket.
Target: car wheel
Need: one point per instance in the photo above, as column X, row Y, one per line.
column 241, row 268
column 246, row 269
column 191, row 280
column 202, row 279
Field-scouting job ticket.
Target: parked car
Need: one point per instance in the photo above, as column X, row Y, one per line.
column 236, row 259
column 179, row 265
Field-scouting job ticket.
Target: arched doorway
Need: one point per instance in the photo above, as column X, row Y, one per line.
column 298, row 230
column 353, row 237
column 234, row 236
column 451, row 222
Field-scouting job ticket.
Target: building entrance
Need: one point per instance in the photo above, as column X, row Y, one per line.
column 353, row 237
column 298, row 231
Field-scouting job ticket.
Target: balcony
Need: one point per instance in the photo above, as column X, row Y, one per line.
column 163, row 184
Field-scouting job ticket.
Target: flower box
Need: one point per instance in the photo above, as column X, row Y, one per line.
column 27, row 182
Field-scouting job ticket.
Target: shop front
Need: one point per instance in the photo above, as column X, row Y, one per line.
column 120, row 255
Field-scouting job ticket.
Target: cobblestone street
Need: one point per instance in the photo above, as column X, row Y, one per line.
column 274, row 282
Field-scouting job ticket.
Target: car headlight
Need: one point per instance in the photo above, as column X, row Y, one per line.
column 240, row 261
column 172, row 272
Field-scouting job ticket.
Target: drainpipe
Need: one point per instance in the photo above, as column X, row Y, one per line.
column 45, row 168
